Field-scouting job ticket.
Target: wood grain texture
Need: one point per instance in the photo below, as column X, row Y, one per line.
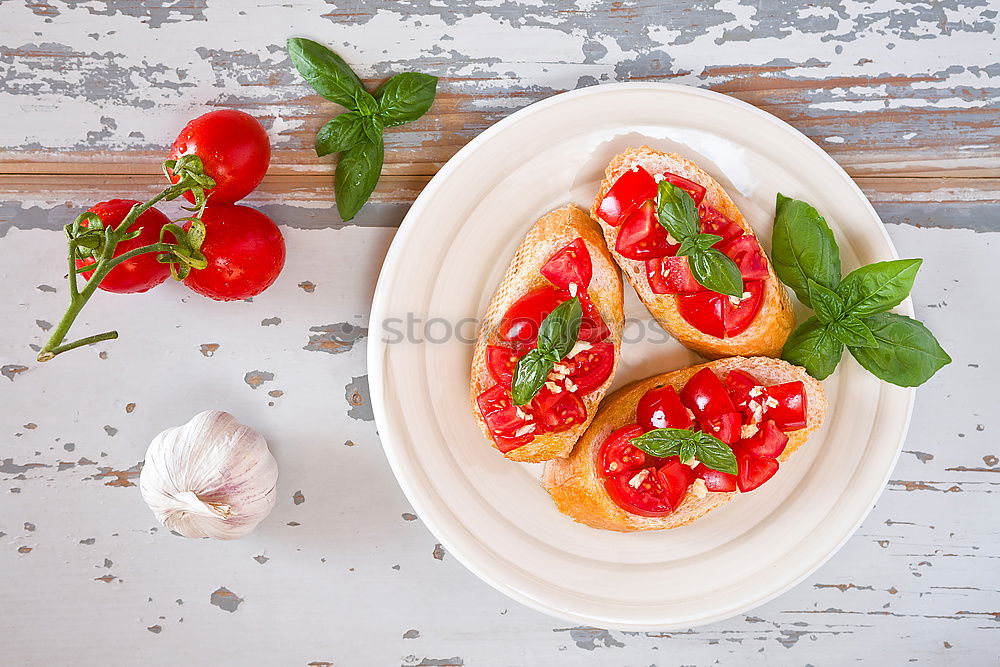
column 905, row 96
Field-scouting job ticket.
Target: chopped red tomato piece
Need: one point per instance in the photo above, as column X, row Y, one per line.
column 521, row 321
column 705, row 394
column 726, row 427
column 738, row 384
column 642, row 236
column 716, row 315
column 628, row 193
column 564, row 413
column 619, row 455
column 715, row 480
column 671, row 275
column 591, row 368
column 500, row 362
column 746, row 252
column 713, row 222
column 571, row 264
column 790, row 412
column 753, row 471
column 767, row 443
column 505, row 422
column 592, row 326
column 676, row 477
column 696, row 190
column 662, row 408
column 651, row 492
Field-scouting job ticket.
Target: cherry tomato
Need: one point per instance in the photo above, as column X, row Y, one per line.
column 521, row 321
column 502, row 418
column 746, row 252
column 726, row 427
column 642, row 236
column 566, row 412
column 713, row 222
column 676, row 477
column 245, row 253
column 591, row 368
column 628, row 193
column 500, row 362
column 715, row 480
column 641, row 492
column 138, row 274
column 790, row 413
column 671, row 275
column 767, row 443
column 753, row 471
column 571, row 264
column 714, row 314
column 233, row 148
column 696, row 190
column 705, row 394
column 618, row 454
column 662, row 408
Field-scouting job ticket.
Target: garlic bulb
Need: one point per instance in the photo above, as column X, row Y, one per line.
column 212, row 477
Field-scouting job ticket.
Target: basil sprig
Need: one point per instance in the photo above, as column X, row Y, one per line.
column 557, row 334
column 688, row 445
column 852, row 312
column 712, row 269
column 357, row 134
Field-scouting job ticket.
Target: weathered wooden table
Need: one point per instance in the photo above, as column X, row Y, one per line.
column 905, row 96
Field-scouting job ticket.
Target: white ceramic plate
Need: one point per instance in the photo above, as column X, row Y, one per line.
column 491, row 514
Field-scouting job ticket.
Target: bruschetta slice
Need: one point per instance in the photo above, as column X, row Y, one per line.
column 712, row 324
column 561, row 265
column 762, row 409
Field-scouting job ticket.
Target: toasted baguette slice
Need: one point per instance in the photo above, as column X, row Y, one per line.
column 551, row 233
column 577, row 489
column 766, row 335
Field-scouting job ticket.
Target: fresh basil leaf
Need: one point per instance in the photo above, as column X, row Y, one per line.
column 687, row 451
column 877, row 287
column 853, row 332
column 372, row 128
column 664, row 441
column 803, row 247
column 358, row 171
column 530, row 374
column 325, row 71
column 365, row 103
column 716, row 454
column 677, row 211
column 341, row 133
column 405, row 97
column 813, row 346
column 560, row 329
column 715, row 271
column 827, row 304
column 907, row 354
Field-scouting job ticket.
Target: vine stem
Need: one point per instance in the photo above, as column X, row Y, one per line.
column 106, row 261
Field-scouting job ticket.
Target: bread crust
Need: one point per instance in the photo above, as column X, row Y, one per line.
column 551, row 233
column 766, row 335
column 577, row 489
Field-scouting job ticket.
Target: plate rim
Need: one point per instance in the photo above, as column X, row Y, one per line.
column 376, row 350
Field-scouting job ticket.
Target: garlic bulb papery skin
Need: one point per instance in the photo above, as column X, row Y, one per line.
column 212, row 477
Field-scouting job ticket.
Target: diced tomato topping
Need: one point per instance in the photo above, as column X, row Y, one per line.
column 571, row 264
column 705, row 394
column 726, row 427
column 628, row 193
column 500, row 362
column 753, row 471
column 639, row 492
column 714, row 314
column 738, row 384
column 642, row 236
column 696, row 190
column 671, row 275
column 564, row 413
column 713, row 222
column 521, row 321
column 790, row 412
column 592, row 326
column 502, row 418
column 618, row 454
column 715, row 480
column 662, row 408
column 676, row 478
column 591, row 368
column 767, row 443
column 746, row 252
